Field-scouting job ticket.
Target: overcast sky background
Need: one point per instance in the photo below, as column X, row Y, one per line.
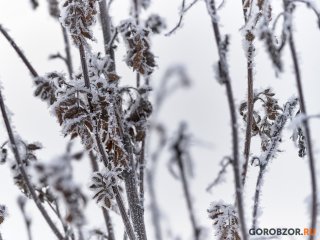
column 203, row 106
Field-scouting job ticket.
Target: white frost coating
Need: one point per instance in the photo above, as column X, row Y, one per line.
column 212, row 11
column 225, row 220
column 102, row 184
column 78, row 17
column 276, row 131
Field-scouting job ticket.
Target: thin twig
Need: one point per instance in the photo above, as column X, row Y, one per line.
column 250, row 104
column 223, row 170
column 16, row 153
column 312, row 167
column 106, row 27
column 151, row 176
column 141, row 171
column 125, row 218
column 184, row 9
column 19, row 52
column 310, row 5
column 180, row 19
column 224, row 74
column 67, row 51
column 58, row 213
column 179, row 152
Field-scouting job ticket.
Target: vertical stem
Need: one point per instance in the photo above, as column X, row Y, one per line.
column 23, row 172
column 141, row 171
column 155, row 217
column 101, row 148
column 80, row 234
column 312, row 167
column 106, row 27
column 130, row 178
column 257, row 196
column 185, row 185
column 89, row 97
column 58, row 213
column 67, row 51
column 235, row 144
column 250, row 105
column 136, row 210
column 109, row 224
column 151, row 176
column 136, row 11
column 125, row 218
column 244, row 9
column 138, row 80
column 27, row 222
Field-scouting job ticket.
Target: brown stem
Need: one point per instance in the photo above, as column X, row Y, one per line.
column 235, row 144
column 23, row 172
column 100, row 146
column 305, row 123
column 250, row 106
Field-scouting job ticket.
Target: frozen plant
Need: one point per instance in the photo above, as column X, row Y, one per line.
column 225, row 221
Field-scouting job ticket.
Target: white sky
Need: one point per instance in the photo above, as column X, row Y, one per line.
column 203, row 106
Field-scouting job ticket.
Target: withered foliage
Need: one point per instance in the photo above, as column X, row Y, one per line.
column 78, row 116
column 225, row 221
column 103, row 184
column 139, row 56
column 78, row 16
column 262, row 122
